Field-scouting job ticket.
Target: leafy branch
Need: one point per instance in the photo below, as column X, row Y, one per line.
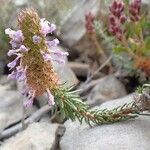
column 69, row 105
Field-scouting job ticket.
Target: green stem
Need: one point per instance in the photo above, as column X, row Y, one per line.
column 72, row 107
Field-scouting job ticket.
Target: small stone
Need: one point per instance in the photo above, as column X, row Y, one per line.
column 127, row 135
column 3, row 120
column 11, row 103
column 38, row 136
column 107, row 88
column 10, row 84
column 73, row 28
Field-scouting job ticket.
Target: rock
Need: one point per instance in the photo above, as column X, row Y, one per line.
column 128, row 135
column 106, row 89
column 73, row 28
column 10, row 84
column 45, row 118
column 11, row 103
column 20, row 2
column 38, row 136
column 3, row 120
column 146, row 2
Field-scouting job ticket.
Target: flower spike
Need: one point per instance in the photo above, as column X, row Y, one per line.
column 34, row 55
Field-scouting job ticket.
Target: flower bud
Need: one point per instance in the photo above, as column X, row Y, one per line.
column 112, row 20
column 134, row 10
column 122, row 19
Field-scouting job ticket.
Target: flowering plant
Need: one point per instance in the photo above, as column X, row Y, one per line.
column 33, row 65
column 128, row 25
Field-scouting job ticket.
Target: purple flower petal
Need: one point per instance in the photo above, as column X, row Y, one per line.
column 11, row 52
column 23, row 49
column 59, row 61
column 14, row 44
column 25, row 90
column 16, row 36
column 10, row 32
column 47, row 57
column 36, row 39
column 13, row 63
column 12, row 76
column 46, row 27
column 52, row 28
column 58, row 56
column 52, row 43
column 50, row 98
column 21, row 74
column 29, row 101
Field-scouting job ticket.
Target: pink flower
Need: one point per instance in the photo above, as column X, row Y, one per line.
column 46, row 27
column 12, row 75
column 116, row 19
column 23, row 49
column 15, row 44
column 19, row 74
column 50, row 98
column 16, row 36
column 134, row 10
column 117, row 8
column 36, row 39
column 29, row 101
column 13, row 63
column 52, row 43
column 11, row 52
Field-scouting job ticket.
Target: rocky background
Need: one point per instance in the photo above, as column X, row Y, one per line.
column 105, row 90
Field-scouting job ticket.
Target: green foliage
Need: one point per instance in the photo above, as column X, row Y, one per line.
column 136, row 43
column 140, row 89
column 147, row 43
column 119, row 48
column 69, row 105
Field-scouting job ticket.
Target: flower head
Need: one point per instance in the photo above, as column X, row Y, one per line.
column 117, row 18
column 134, row 10
column 89, row 22
column 34, row 56
column 46, row 27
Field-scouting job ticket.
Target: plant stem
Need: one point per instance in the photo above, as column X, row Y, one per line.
column 72, row 107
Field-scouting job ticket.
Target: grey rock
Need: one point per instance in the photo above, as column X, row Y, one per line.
column 20, row 2
column 146, row 2
column 38, row 136
column 45, row 118
column 3, row 120
column 106, row 89
column 11, row 84
column 73, row 28
column 11, row 103
column 128, row 135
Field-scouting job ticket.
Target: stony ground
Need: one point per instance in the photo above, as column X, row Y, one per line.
column 47, row 132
